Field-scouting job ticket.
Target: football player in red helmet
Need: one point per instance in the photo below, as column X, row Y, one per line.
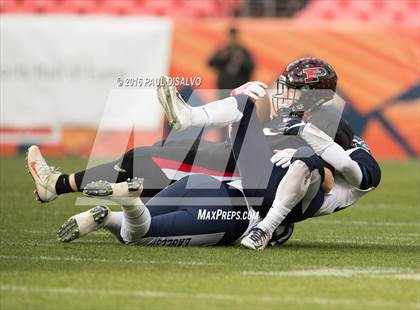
column 305, row 83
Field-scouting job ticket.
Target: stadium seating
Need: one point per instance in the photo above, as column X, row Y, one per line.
column 173, row 8
column 401, row 13
column 391, row 13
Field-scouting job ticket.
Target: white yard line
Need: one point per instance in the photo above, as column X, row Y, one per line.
column 359, row 242
column 133, row 293
column 396, row 273
column 207, row 296
column 131, row 261
column 363, row 223
column 389, row 273
column 104, row 260
column 28, row 231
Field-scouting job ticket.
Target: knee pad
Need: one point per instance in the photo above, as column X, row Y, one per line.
column 311, row 160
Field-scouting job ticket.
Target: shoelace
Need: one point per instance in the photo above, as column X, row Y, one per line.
column 257, row 235
column 45, row 170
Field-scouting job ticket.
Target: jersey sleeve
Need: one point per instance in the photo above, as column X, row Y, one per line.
column 369, row 167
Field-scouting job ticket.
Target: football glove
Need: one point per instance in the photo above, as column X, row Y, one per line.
column 359, row 142
column 282, row 157
column 293, row 126
column 253, row 90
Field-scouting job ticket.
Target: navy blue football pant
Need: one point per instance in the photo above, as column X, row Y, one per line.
column 197, row 210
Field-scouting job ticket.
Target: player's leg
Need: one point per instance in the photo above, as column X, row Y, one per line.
column 180, row 214
column 202, row 214
column 134, row 163
column 84, row 223
column 136, row 218
column 50, row 182
column 251, row 151
column 128, row 226
column 299, row 190
column 137, row 162
column 180, row 115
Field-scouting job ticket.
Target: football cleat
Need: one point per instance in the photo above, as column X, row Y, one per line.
column 121, row 193
column 69, row 231
column 98, row 189
column 44, row 176
column 176, row 109
column 82, row 224
column 257, row 239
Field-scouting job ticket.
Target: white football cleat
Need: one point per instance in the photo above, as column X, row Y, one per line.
column 121, row 193
column 44, row 176
column 257, row 239
column 176, row 109
column 81, row 224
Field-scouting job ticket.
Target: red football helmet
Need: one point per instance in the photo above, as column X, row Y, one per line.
column 315, row 79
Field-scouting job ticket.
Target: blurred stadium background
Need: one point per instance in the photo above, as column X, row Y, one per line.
column 60, row 60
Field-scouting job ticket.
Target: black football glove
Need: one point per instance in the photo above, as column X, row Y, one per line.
column 293, row 126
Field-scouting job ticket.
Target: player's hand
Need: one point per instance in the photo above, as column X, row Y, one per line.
column 282, row 157
column 359, row 142
column 253, row 90
column 293, row 126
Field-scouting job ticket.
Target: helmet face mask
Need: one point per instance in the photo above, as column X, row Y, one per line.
column 285, row 98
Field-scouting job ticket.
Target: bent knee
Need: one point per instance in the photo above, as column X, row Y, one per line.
column 305, row 158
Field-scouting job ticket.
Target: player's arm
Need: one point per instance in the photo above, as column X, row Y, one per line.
column 358, row 168
column 370, row 168
column 362, row 173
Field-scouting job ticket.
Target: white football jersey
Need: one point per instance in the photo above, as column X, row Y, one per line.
column 341, row 196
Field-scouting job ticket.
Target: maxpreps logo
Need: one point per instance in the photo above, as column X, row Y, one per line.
column 313, row 74
column 214, row 215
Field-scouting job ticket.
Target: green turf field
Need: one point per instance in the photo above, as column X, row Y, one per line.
column 366, row 257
